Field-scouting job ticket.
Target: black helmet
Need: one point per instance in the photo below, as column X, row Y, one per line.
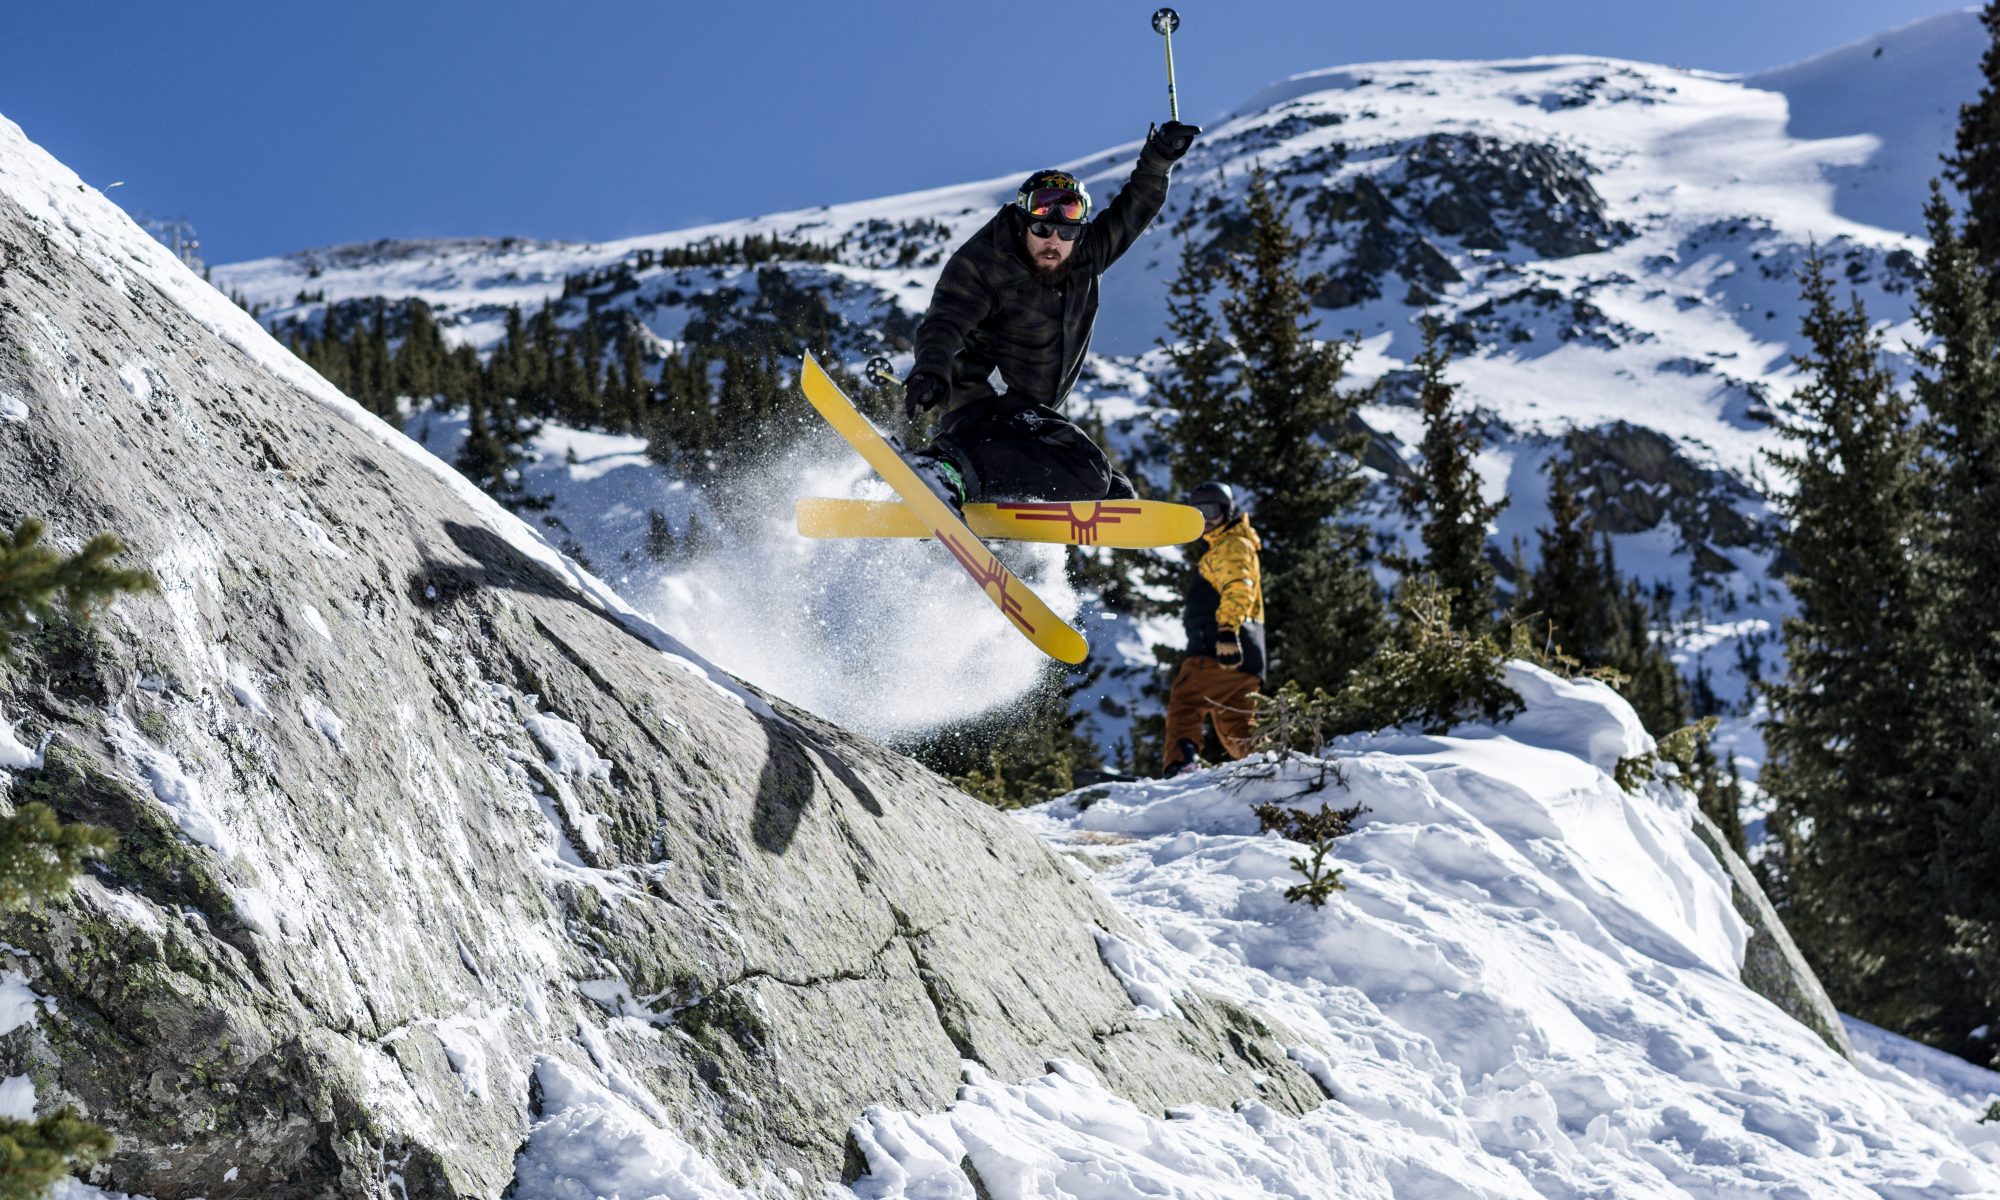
column 1054, row 196
column 1214, row 499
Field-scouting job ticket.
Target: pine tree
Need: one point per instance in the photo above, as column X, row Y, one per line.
column 1958, row 385
column 377, row 388
column 680, row 428
column 1574, row 603
column 35, row 581
column 1856, row 837
column 496, row 449
column 1026, row 754
column 1445, row 492
column 506, row 370
column 36, row 1155
column 754, row 392
column 1209, row 438
column 541, row 392
column 575, row 387
column 1324, row 614
column 39, row 855
column 629, row 408
column 696, row 542
column 419, row 368
column 1563, row 601
column 1975, row 168
column 1720, row 793
column 1650, row 681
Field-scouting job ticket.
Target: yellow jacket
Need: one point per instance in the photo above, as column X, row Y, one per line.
column 1230, row 566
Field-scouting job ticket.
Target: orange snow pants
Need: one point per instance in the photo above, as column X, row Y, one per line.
column 1205, row 689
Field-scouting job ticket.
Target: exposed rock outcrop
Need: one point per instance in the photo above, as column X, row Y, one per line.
column 1488, row 193
column 1772, row 964
column 1481, row 192
column 1634, row 478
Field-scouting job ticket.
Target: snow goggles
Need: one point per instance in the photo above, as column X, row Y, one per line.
column 1211, row 510
column 1048, row 229
column 1057, row 203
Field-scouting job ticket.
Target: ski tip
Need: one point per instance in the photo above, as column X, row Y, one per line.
column 1072, row 649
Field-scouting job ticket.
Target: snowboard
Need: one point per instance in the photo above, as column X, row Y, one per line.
column 1124, row 524
column 1015, row 600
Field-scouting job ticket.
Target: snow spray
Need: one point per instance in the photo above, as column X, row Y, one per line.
column 886, row 637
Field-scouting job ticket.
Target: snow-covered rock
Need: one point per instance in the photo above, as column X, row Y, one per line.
column 1529, row 988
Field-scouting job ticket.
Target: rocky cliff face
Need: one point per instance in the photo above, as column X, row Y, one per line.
column 411, row 813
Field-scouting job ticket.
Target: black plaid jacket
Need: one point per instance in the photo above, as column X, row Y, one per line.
column 990, row 311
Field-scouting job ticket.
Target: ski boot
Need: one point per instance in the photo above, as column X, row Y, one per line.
column 1188, row 758
column 942, row 477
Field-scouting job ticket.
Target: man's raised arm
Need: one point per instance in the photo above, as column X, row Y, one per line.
column 1142, row 197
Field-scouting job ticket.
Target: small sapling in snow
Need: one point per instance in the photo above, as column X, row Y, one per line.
column 1318, row 831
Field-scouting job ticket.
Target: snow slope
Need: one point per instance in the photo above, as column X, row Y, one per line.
column 1864, row 90
column 1529, row 989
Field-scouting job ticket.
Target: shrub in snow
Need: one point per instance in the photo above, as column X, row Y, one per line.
column 33, row 578
column 39, row 855
column 1290, row 722
column 1430, row 673
column 1679, row 748
column 1317, row 830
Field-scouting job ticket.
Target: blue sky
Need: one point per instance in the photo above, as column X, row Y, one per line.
column 275, row 125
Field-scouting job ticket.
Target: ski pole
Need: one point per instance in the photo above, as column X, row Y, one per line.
column 883, row 376
column 1165, row 21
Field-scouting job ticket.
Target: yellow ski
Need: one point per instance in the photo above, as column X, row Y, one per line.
column 1014, row 599
column 1124, row 524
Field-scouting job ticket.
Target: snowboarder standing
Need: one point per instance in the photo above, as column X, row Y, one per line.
column 1021, row 298
column 1224, row 618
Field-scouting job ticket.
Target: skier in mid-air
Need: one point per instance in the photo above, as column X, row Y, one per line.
column 1020, row 298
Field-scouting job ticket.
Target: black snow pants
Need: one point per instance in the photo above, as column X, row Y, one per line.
column 1011, row 449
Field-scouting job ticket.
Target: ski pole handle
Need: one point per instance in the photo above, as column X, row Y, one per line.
column 1165, row 21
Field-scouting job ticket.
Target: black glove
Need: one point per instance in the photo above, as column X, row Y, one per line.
column 923, row 390
column 1172, row 140
column 1228, row 651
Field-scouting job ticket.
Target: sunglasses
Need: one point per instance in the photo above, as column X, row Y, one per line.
column 1060, row 203
column 1049, row 229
